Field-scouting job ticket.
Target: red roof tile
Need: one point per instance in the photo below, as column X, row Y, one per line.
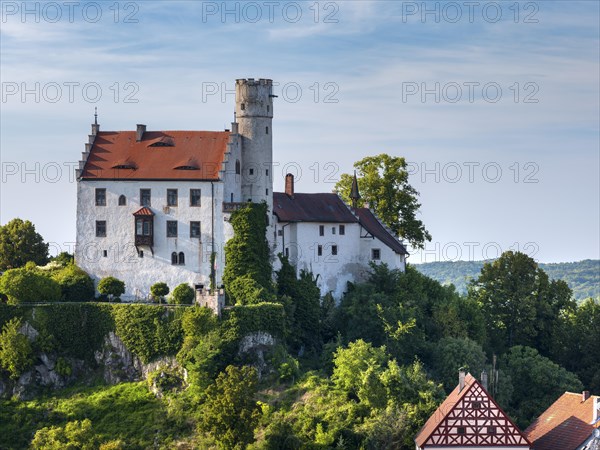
column 565, row 425
column 143, row 211
column 311, row 208
column 368, row 220
column 154, row 158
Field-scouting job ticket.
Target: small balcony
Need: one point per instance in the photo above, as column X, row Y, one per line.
column 144, row 240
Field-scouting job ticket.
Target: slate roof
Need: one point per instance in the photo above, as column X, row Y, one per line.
column 370, row 223
column 311, row 208
column 157, row 155
column 565, row 425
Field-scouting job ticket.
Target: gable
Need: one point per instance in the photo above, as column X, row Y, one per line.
column 470, row 418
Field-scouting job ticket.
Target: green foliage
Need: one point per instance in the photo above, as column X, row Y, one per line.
column 583, row 277
column 63, row 258
column 147, row 330
column 75, row 284
column 111, row 286
column 20, row 243
column 230, row 412
column 74, row 435
column 27, row 286
column 383, row 183
column 247, row 253
column 182, row 295
column 247, row 291
column 159, row 291
column 537, row 383
column 246, row 319
column 519, row 303
column 353, row 362
column 451, row 353
column 15, row 350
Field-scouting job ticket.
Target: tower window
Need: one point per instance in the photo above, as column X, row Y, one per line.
column 321, row 230
column 320, row 250
column 122, row 200
column 100, row 228
column 105, row 253
column 171, row 228
column 250, row 171
column 267, row 130
column 287, row 252
column 171, row 197
column 334, row 250
column 100, row 197
column 267, row 172
column 238, row 169
column 231, row 198
column 266, row 192
column 268, row 108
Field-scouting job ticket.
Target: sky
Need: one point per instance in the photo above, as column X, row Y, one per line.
column 494, row 105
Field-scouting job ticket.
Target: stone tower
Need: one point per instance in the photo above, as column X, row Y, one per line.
column 254, row 115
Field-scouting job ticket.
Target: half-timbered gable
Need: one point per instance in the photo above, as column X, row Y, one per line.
column 470, row 418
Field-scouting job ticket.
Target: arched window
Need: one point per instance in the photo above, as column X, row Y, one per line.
column 181, row 259
column 122, row 200
column 174, row 258
column 238, row 168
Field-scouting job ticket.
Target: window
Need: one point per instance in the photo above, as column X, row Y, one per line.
column 266, row 192
column 171, row 228
column 320, row 250
column 491, row 430
column 342, row 230
column 231, row 198
column 476, row 405
column 461, row 430
column 321, row 230
column 332, row 230
column 143, row 226
column 181, row 259
column 279, row 232
column 195, row 229
column 250, row 171
column 100, row 228
column 174, row 258
column 375, row 254
column 145, row 197
column 287, row 252
column 100, row 197
column 122, row 200
column 195, row 197
column 267, row 172
column 334, row 250
column 243, row 106
column 268, row 108
column 141, row 253
column 171, row 197
column 267, row 130
column 238, row 168
column 105, row 253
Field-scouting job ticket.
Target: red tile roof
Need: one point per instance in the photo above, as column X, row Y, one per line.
column 373, row 225
column 311, row 208
column 157, row 155
column 143, row 211
column 565, row 425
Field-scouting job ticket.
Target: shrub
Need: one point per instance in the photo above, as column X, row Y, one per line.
column 247, row 291
column 26, row 286
column 158, row 291
column 15, row 349
column 75, row 284
column 111, row 286
column 182, row 295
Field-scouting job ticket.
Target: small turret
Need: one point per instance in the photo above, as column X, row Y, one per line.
column 354, row 194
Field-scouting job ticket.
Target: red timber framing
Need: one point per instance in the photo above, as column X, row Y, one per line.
column 470, row 418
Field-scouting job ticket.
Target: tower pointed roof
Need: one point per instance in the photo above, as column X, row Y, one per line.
column 354, row 194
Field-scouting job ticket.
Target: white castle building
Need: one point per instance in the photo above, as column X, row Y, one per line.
column 155, row 205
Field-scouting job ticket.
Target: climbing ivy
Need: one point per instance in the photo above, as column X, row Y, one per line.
column 247, row 253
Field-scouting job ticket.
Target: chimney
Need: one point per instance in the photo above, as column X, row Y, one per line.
column 585, row 395
column 461, row 379
column 289, row 185
column 139, row 132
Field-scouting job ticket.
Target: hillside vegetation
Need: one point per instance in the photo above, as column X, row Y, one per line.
column 583, row 277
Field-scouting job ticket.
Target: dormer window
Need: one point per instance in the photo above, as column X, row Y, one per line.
column 187, row 168
column 163, row 141
column 129, row 166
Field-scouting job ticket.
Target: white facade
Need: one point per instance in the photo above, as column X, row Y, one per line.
column 245, row 175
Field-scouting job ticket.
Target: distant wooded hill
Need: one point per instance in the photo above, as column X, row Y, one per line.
column 583, row 277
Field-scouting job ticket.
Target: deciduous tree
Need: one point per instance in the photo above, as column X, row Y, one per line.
column 20, row 243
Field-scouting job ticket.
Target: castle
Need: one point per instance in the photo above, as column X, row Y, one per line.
column 155, row 206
